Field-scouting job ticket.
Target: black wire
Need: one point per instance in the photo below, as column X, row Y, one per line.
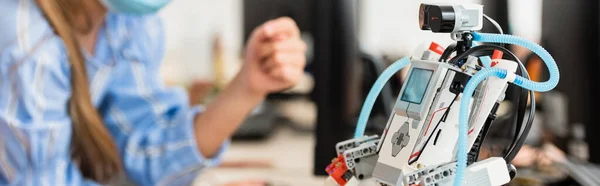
column 518, row 142
column 521, row 107
column 511, row 150
column 449, row 50
column 520, row 101
column 518, row 139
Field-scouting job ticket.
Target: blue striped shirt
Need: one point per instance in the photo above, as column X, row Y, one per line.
column 152, row 125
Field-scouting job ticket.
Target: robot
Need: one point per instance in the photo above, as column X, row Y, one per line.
column 422, row 142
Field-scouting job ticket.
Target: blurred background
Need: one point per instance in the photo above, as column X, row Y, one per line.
column 290, row 138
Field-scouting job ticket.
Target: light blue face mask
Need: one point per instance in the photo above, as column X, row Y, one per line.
column 135, row 6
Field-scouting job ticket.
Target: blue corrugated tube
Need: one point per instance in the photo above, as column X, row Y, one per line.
column 485, row 73
column 365, row 112
column 463, row 127
column 537, row 49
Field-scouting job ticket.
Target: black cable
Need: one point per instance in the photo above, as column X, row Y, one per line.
column 511, row 150
column 521, row 107
column 518, row 142
column 521, row 103
column 449, row 50
column 512, row 153
column 518, row 139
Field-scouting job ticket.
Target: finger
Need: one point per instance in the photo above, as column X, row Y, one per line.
column 295, row 59
column 282, row 74
column 293, row 75
column 290, row 45
column 286, row 72
column 281, row 26
column 285, row 46
column 288, row 76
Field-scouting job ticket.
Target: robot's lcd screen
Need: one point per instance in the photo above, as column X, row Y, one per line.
column 417, row 85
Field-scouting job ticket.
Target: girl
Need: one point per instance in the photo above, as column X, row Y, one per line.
column 81, row 100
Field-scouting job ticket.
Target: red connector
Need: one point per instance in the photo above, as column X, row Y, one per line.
column 339, row 171
column 497, row 54
column 436, row 48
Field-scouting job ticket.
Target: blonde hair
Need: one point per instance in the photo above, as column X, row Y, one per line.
column 92, row 146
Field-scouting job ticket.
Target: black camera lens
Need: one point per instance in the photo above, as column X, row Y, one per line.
column 424, row 17
column 437, row 18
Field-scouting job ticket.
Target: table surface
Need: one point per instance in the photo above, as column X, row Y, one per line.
column 290, row 154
